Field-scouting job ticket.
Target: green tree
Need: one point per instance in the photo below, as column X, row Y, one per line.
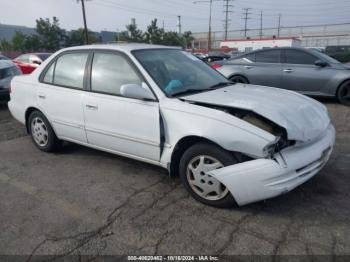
column 172, row 39
column 52, row 37
column 77, row 37
column 19, row 41
column 187, row 39
column 32, row 43
column 154, row 34
column 5, row 45
column 134, row 34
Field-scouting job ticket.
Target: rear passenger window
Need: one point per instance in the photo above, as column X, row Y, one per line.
column 299, row 57
column 271, row 56
column 110, row 72
column 48, row 78
column 69, row 70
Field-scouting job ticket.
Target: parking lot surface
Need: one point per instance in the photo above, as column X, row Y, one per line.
column 82, row 201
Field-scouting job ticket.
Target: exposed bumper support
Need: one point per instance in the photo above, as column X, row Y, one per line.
column 265, row 178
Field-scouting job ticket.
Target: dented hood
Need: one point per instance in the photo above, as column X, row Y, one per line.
column 302, row 117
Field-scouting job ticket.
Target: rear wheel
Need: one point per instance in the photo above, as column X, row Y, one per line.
column 344, row 93
column 239, row 79
column 195, row 164
column 42, row 133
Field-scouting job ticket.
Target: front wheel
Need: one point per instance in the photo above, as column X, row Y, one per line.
column 195, row 164
column 344, row 93
column 239, row 79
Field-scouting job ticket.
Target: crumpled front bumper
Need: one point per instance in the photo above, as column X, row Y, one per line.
column 260, row 179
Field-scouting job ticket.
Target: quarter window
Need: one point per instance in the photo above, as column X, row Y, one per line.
column 69, row 70
column 271, row 56
column 299, row 57
column 110, row 72
column 48, row 78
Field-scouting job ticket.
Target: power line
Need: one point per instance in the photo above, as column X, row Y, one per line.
column 227, row 7
column 261, row 24
column 85, row 24
column 279, row 25
column 246, row 18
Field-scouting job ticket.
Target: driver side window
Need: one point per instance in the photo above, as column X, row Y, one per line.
column 111, row 71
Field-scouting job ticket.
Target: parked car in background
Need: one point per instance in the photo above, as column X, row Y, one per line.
column 216, row 56
column 340, row 53
column 303, row 70
column 7, row 71
column 2, row 57
column 29, row 62
column 164, row 106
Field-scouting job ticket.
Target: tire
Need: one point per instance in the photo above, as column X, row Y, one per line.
column 42, row 133
column 205, row 154
column 344, row 93
column 239, row 79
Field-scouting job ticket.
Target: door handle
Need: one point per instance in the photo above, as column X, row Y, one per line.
column 41, row 96
column 92, row 107
column 248, row 67
column 288, row 70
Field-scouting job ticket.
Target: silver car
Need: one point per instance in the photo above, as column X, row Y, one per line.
column 297, row 69
column 8, row 70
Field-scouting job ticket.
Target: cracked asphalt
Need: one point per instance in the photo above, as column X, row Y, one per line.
column 82, row 201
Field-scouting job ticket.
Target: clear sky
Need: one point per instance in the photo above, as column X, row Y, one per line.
column 115, row 14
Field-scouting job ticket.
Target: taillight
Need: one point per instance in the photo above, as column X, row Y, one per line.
column 216, row 66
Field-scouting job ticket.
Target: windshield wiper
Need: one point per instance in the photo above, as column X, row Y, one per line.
column 188, row 91
column 220, row 84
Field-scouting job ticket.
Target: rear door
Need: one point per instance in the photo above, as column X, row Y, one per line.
column 266, row 68
column 301, row 74
column 60, row 95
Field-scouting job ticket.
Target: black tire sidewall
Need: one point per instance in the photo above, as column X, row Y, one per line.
column 342, row 101
column 225, row 157
column 53, row 142
column 244, row 80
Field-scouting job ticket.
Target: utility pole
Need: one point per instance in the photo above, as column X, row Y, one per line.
column 246, row 18
column 227, row 10
column 179, row 23
column 279, row 25
column 210, row 9
column 261, row 24
column 85, row 24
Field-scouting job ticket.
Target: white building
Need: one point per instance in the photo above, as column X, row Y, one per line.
column 247, row 45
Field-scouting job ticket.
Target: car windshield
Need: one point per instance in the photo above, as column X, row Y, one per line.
column 325, row 57
column 179, row 73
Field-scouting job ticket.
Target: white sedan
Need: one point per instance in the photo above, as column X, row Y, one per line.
column 229, row 143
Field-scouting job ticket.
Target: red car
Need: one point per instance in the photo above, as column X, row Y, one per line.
column 29, row 62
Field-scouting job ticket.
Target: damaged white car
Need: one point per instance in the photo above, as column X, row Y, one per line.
column 229, row 143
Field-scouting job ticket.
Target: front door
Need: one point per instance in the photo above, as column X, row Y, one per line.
column 301, row 74
column 123, row 125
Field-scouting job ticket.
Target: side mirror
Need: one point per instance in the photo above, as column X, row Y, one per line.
column 136, row 91
column 321, row 63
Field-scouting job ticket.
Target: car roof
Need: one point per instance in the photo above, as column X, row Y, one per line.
column 126, row 47
column 272, row 48
column 6, row 64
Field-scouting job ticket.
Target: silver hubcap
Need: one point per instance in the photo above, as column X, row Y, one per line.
column 203, row 184
column 39, row 132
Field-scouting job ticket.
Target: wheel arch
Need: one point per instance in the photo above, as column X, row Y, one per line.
column 338, row 87
column 240, row 75
column 28, row 112
column 181, row 146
